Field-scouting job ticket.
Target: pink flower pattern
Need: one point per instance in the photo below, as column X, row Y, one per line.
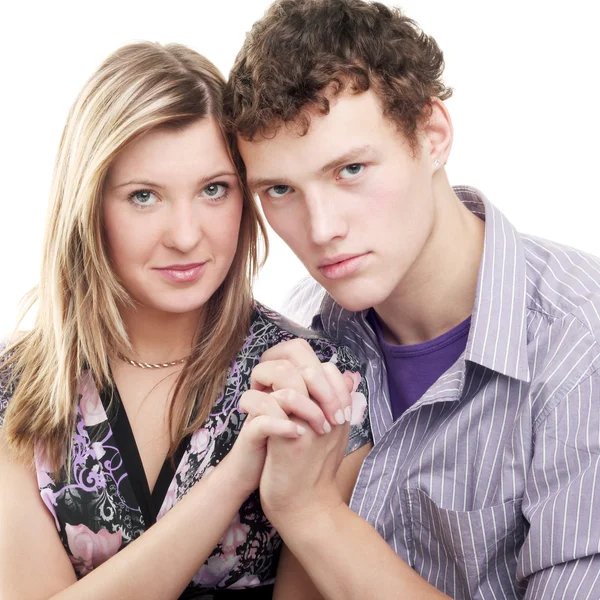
column 235, row 536
column 359, row 400
column 88, row 549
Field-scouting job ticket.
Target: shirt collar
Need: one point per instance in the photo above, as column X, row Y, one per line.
column 498, row 336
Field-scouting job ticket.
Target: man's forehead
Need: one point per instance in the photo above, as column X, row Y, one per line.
column 345, row 106
column 352, row 118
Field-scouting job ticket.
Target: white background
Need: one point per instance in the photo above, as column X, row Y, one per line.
column 525, row 108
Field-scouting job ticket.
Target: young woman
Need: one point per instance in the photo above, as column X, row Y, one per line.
column 125, row 395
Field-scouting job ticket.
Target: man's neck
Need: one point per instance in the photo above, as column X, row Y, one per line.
column 438, row 292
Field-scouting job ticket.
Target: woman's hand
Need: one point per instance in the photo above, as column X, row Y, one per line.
column 246, row 459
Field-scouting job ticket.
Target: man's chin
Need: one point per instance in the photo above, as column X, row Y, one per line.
column 353, row 298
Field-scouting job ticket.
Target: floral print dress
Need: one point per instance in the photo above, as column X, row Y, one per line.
column 100, row 506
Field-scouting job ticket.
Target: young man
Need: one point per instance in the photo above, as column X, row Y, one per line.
column 482, row 344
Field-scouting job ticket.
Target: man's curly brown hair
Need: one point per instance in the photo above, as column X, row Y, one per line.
column 302, row 52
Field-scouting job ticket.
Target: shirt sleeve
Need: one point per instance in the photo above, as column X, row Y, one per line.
column 561, row 554
column 304, row 301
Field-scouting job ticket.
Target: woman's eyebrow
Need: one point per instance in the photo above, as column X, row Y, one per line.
column 153, row 184
column 143, row 182
column 214, row 176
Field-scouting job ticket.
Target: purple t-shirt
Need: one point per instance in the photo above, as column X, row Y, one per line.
column 413, row 369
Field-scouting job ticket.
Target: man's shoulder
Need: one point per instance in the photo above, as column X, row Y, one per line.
column 305, row 301
column 311, row 305
column 274, row 323
column 563, row 320
column 563, row 282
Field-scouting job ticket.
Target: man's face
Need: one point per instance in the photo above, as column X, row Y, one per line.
column 350, row 198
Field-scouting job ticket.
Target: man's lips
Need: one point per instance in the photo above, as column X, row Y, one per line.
column 342, row 265
column 326, row 262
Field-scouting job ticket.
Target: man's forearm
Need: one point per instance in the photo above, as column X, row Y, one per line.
column 346, row 558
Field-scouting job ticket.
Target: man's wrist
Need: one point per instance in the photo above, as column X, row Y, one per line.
column 308, row 523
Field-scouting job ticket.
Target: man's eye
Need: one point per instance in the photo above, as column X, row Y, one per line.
column 352, row 170
column 278, row 191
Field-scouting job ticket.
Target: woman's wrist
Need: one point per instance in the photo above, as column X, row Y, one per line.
column 227, row 476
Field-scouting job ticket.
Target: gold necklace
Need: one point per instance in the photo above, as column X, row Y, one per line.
column 143, row 365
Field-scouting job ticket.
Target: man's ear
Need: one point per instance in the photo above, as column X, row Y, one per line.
column 438, row 133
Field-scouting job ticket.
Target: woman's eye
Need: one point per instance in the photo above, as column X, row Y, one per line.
column 278, row 191
column 143, row 198
column 215, row 190
column 352, row 170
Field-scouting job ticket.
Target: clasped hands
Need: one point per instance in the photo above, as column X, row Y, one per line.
column 292, row 391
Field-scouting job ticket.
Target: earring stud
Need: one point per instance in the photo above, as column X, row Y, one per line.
column 436, row 163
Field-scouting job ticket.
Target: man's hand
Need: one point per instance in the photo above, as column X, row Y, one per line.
column 299, row 477
column 294, row 365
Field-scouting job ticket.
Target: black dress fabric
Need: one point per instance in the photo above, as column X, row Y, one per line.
column 150, row 502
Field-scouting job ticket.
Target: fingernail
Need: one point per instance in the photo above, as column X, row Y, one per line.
column 300, row 429
column 339, row 417
column 348, row 413
column 326, row 427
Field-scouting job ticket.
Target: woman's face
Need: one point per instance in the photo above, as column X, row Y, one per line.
column 172, row 211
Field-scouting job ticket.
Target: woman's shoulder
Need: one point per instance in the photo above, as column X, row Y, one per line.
column 7, row 385
column 270, row 328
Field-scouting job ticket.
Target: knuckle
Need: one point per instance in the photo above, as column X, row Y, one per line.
column 310, row 373
column 263, row 407
column 302, row 343
column 258, row 369
column 283, row 366
column 285, row 395
column 246, row 398
column 260, row 422
column 332, row 369
column 257, row 374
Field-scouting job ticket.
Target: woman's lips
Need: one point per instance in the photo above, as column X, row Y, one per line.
column 182, row 273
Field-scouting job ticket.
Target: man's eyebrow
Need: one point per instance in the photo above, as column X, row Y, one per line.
column 347, row 158
column 260, row 182
column 340, row 161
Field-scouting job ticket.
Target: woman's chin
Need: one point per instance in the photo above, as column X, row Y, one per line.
column 171, row 308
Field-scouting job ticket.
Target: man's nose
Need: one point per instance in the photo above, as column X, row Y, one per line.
column 327, row 219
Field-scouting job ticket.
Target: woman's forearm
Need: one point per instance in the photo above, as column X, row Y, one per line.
column 161, row 563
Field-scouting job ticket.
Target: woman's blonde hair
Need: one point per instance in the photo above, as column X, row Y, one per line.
column 78, row 325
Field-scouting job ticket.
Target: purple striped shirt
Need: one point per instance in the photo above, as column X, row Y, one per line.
column 488, row 486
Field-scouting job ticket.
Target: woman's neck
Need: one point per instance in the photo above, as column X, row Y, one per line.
column 158, row 336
